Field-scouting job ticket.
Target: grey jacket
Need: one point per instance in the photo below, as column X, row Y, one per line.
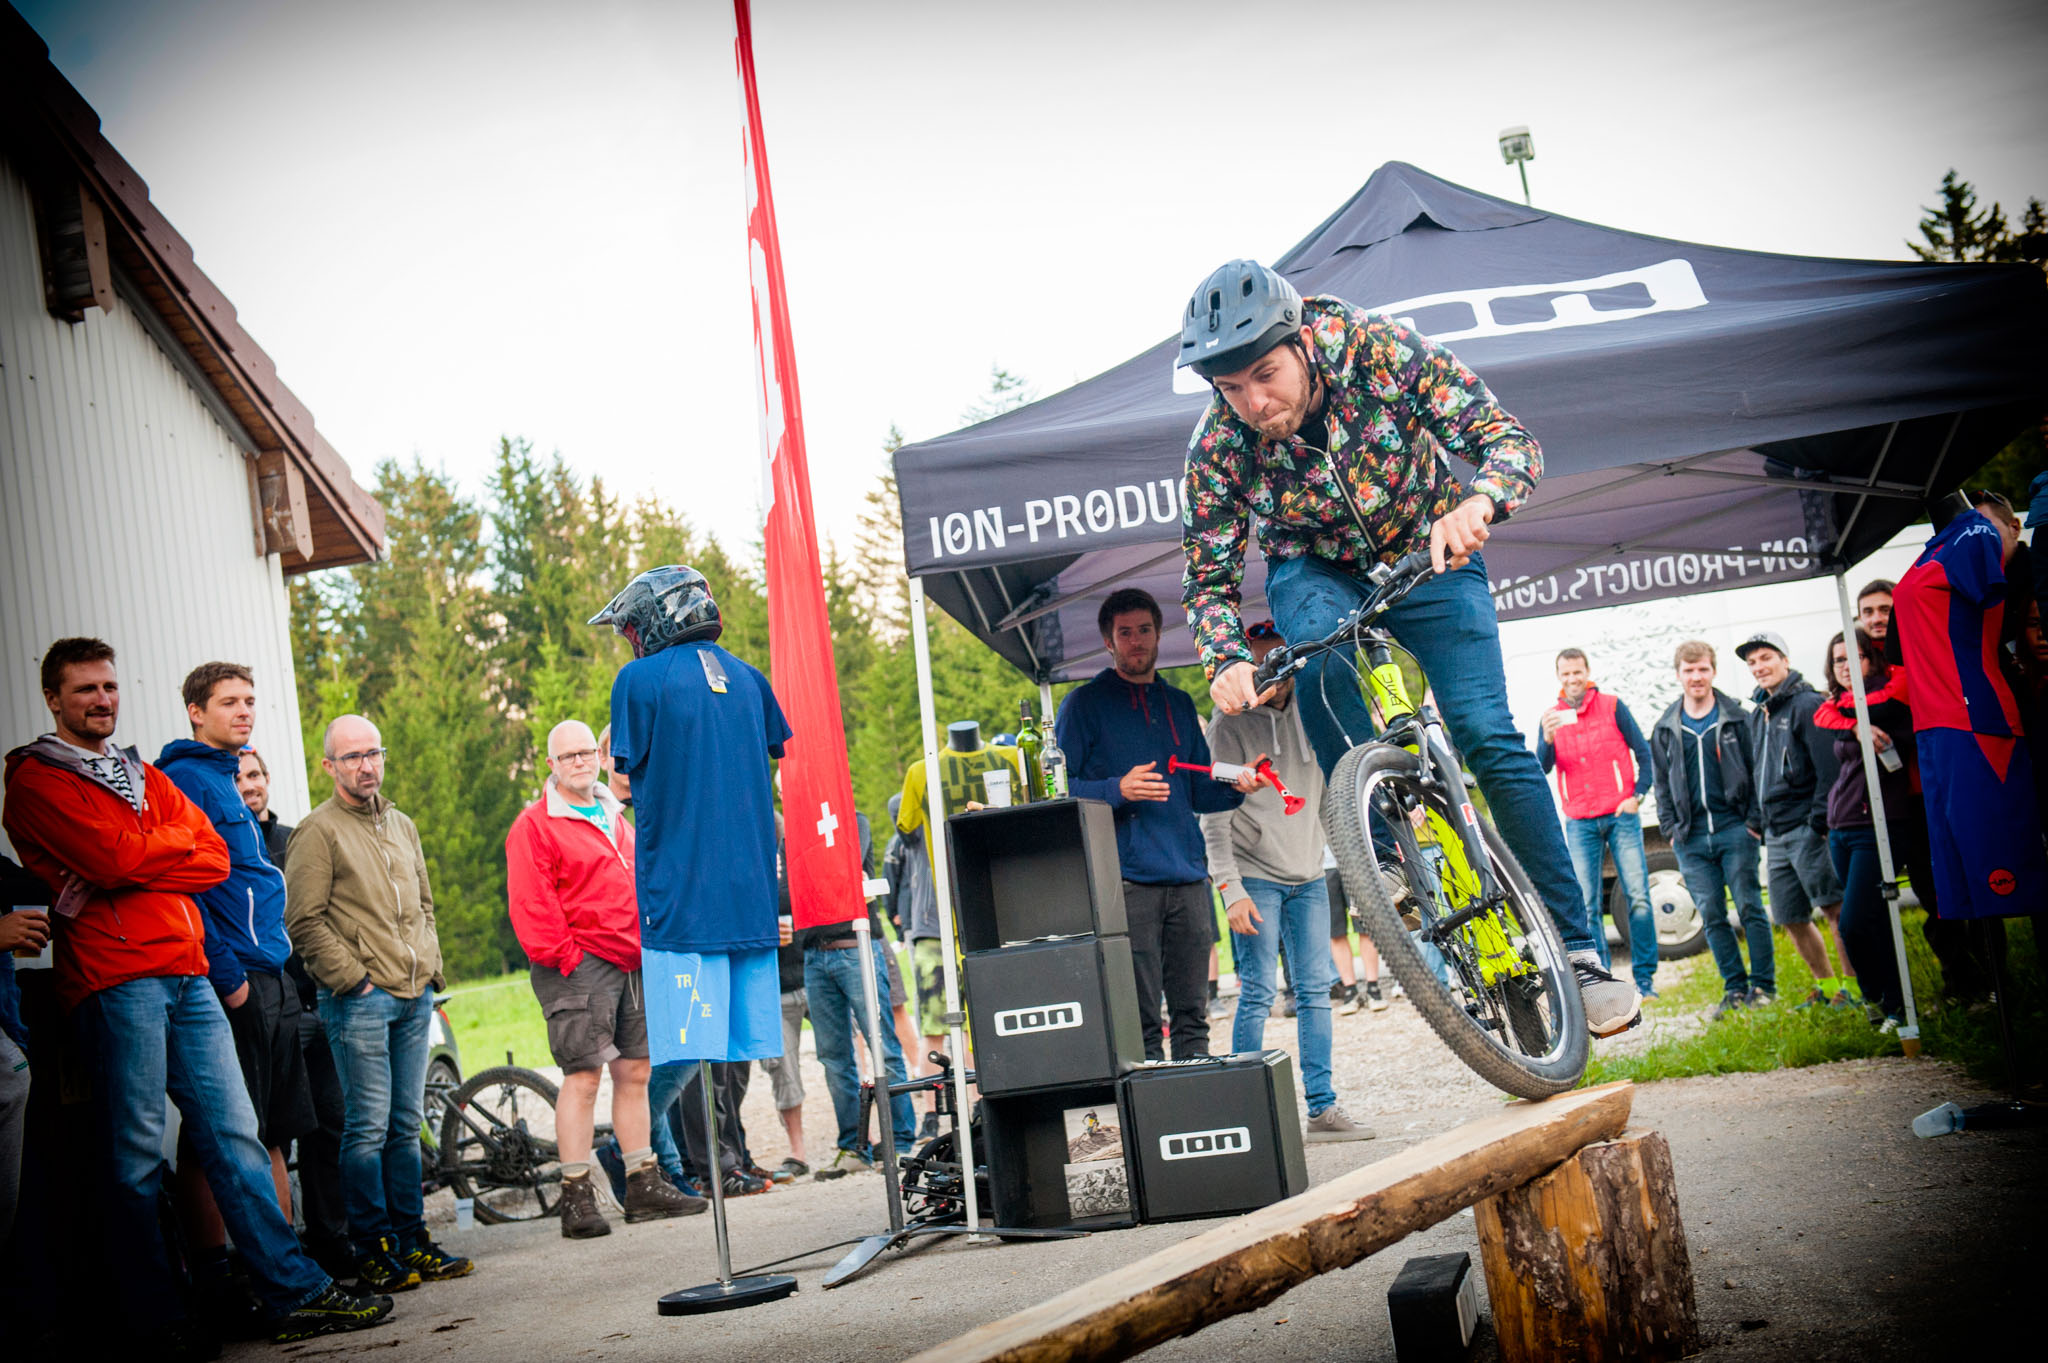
column 1259, row 838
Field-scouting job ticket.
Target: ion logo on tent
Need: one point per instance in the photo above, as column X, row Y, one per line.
column 1047, row 1017
column 2003, row 881
column 1229, row 1140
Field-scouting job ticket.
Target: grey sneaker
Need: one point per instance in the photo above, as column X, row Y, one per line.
column 844, row 1162
column 1761, row 998
column 1611, row 1005
column 1332, row 1125
column 1374, row 999
column 1349, row 999
column 1729, row 1003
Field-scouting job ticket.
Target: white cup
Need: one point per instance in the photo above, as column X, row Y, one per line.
column 1890, row 759
column 465, row 1213
column 997, row 783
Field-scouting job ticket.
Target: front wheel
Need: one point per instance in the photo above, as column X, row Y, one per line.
column 1505, row 999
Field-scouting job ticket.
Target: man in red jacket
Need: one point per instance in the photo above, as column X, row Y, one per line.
column 569, row 864
column 1603, row 771
column 123, row 852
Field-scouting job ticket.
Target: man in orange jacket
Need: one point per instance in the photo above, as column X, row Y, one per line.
column 123, row 852
column 569, row 876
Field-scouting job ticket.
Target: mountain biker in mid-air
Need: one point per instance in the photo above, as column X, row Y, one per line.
column 1331, row 425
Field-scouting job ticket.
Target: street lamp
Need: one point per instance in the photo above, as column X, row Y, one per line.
column 1517, row 148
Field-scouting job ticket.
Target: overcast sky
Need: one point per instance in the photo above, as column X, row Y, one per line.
column 450, row 221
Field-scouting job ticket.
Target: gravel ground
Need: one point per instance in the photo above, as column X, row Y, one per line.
column 1819, row 1227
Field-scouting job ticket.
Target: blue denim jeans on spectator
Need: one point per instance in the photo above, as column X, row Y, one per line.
column 380, row 1054
column 168, row 1034
column 1715, row 864
column 832, row 979
column 1867, row 918
column 1449, row 624
column 1299, row 915
column 1590, row 840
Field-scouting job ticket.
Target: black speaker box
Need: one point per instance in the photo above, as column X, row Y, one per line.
column 1213, row 1137
column 1050, row 1165
column 1030, row 871
column 1053, row 1014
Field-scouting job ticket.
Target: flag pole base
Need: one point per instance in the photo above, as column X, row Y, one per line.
column 726, row 1296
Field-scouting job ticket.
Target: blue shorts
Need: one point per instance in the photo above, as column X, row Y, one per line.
column 1983, row 829
column 712, row 1005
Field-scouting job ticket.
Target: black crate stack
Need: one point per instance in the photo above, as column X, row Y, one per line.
column 1081, row 1131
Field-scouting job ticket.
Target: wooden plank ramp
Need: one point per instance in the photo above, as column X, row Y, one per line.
column 1243, row 1264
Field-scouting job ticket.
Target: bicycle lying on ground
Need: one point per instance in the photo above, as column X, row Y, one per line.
column 1430, row 875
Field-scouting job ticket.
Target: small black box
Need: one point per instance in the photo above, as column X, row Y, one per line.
column 1434, row 1306
column 1213, row 1137
column 1031, row 871
column 1053, row 1014
column 1059, row 1159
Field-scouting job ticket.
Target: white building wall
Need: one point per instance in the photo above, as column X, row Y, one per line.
column 125, row 514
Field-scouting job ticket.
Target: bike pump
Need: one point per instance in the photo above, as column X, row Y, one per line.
column 728, row 1293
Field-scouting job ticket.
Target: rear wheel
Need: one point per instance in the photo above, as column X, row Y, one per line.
column 1506, row 1003
column 498, row 1145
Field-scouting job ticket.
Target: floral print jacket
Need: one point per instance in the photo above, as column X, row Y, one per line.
column 1397, row 401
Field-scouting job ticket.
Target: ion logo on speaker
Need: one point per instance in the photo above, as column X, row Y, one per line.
column 1046, row 1017
column 1228, row 1140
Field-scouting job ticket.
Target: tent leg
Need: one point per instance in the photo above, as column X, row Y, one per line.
column 1909, row 1033
column 1045, row 699
column 942, row 888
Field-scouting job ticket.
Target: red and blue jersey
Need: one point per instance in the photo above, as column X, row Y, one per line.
column 1949, row 610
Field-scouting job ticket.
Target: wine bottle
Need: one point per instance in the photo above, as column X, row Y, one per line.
column 1054, row 762
column 1027, row 754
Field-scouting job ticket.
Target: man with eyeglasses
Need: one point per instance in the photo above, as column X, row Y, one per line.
column 569, row 865
column 360, row 911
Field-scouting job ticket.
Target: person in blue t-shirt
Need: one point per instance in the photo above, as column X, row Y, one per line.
column 1120, row 731
column 694, row 728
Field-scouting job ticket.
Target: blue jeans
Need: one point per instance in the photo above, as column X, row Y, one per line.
column 1301, row 915
column 1715, row 864
column 1589, row 840
column 1448, row 623
column 832, row 980
column 380, row 1054
column 1866, row 918
column 168, row 1033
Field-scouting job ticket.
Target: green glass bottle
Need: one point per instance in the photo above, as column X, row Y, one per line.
column 1028, row 746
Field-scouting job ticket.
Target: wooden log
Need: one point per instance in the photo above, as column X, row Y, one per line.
column 1589, row 1262
column 1245, row 1263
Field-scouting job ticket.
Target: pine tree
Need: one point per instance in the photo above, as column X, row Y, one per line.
column 1956, row 231
column 1005, row 391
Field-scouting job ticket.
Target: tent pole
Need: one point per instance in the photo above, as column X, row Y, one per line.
column 1044, row 698
column 1909, row 1033
column 942, row 889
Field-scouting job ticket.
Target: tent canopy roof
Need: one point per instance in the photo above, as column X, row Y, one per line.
column 1709, row 418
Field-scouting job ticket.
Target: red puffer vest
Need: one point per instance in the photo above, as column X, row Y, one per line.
column 1595, row 769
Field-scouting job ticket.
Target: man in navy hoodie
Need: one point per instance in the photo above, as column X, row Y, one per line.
column 1119, row 731
column 246, row 945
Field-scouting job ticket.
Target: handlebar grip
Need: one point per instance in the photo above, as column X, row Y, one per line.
column 1414, row 564
column 1266, row 672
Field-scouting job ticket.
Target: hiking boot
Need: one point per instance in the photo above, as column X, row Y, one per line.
column 650, row 1197
column 331, row 1313
column 1401, row 895
column 1761, row 998
column 230, row 1306
column 1348, row 999
column 581, row 1219
column 1611, row 1004
column 380, row 1271
column 1374, row 999
column 1730, row 1002
column 1331, row 1124
column 434, row 1264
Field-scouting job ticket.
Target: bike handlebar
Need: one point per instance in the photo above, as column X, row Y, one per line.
column 1390, row 582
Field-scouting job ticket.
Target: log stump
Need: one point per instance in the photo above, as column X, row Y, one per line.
column 1589, row 1261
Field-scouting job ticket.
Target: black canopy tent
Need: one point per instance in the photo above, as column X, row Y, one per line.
column 1709, row 418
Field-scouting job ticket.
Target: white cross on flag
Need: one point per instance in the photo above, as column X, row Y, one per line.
column 824, row 870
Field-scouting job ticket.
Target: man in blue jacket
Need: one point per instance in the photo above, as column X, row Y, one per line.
column 1119, row 732
column 246, row 945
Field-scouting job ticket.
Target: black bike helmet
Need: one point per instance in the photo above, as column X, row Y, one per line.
column 1241, row 311
column 662, row 607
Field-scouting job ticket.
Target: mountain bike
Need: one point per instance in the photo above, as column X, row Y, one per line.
column 1431, row 877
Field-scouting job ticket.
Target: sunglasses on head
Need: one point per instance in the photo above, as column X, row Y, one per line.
column 1263, row 630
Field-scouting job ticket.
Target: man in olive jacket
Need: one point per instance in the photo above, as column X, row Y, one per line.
column 360, row 913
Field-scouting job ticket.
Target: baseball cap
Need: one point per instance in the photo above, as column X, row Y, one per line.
column 1763, row 638
column 2037, row 501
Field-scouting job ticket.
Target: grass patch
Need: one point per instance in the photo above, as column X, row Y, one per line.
column 1783, row 1037
column 493, row 1016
